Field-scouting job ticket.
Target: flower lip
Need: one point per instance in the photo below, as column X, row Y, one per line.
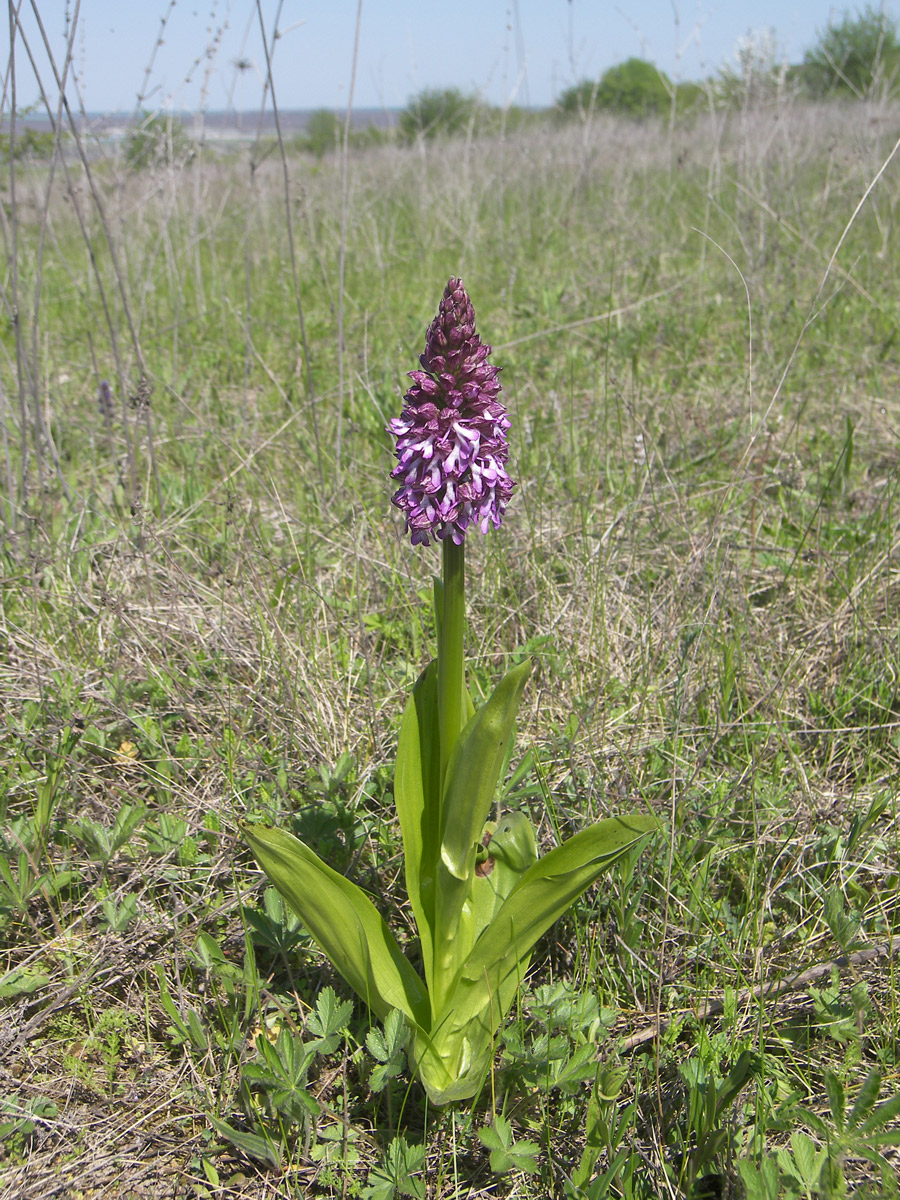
column 451, row 447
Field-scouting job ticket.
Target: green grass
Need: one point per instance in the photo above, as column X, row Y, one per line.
column 209, row 612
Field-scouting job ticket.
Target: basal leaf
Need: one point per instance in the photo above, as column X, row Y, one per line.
column 417, row 787
column 469, row 790
column 343, row 921
column 251, row 1144
column 473, row 772
column 546, row 890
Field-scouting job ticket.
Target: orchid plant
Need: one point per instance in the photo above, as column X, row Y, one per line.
column 480, row 894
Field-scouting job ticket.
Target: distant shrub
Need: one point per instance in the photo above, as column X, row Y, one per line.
column 578, row 99
column 516, row 118
column 691, row 98
column 323, row 132
column 437, row 113
column 635, row 87
column 857, row 56
column 29, row 143
column 157, row 139
column 369, row 135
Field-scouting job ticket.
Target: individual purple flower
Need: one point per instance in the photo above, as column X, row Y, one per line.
column 104, row 399
column 451, row 435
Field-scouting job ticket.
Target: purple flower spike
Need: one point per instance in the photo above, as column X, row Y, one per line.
column 451, row 434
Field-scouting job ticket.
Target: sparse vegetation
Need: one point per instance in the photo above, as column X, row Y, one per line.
column 208, row 612
column 156, row 139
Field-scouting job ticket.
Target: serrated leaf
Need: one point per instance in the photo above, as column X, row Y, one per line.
column 377, row 1046
column 395, row 1031
column 866, row 1099
column 343, row 921
column 816, row 1124
column 327, row 1020
column 890, row 1138
column 382, row 1075
column 843, row 925
column 787, row 1164
column 761, row 1183
column 806, row 1158
column 128, row 818
column 884, row 1112
column 506, row 1153
column 835, row 1090
column 579, row 1068
column 490, row 1138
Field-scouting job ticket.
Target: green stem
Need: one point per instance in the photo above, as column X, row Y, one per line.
column 451, row 712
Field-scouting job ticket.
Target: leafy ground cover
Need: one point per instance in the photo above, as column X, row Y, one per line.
column 209, row 613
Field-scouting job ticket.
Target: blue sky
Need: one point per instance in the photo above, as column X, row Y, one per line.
column 528, row 50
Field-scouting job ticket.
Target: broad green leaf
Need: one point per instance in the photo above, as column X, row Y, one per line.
column 251, row 1144
column 473, row 772
column 808, row 1162
column 760, row 1182
column 451, row 1068
column 453, row 1059
column 417, row 794
column 417, row 786
column 343, row 921
column 469, row 790
column 546, row 890
column 22, row 980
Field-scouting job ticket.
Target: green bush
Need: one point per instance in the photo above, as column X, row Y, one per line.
column 635, row 87
column 29, row 143
column 157, row 139
column 857, row 56
column 691, row 98
column 323, row 132
column 369, row 135
column 578, row 99
column 437, row 112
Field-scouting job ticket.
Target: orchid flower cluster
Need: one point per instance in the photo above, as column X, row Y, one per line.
column 480, row 894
